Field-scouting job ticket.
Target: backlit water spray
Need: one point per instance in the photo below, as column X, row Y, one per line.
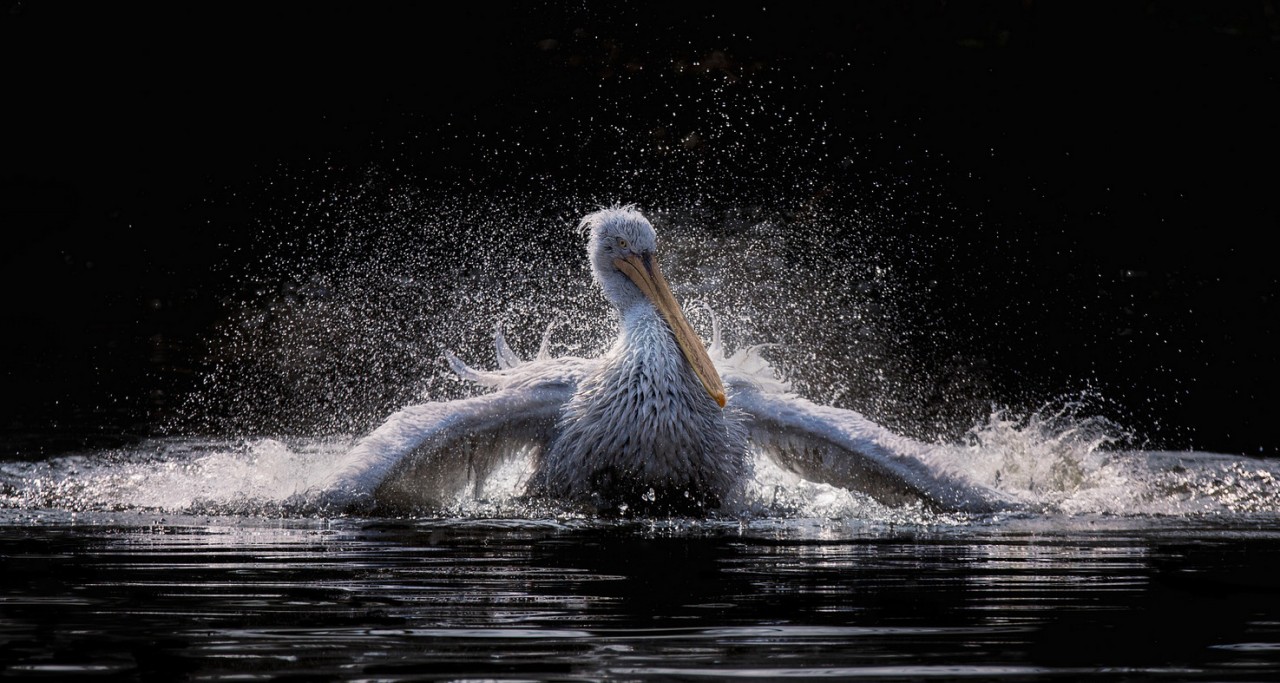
column 349, row 328
column 363, row 279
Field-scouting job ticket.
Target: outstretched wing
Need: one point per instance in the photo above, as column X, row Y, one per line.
column 432, row 455
column 843, row 448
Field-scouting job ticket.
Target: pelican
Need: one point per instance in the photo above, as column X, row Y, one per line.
column 660, row 424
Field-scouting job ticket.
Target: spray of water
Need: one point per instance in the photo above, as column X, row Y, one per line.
column 766, row 213
column 1053, row 462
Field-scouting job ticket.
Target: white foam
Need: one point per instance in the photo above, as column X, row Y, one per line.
column 1055, row 464
column 247, row 477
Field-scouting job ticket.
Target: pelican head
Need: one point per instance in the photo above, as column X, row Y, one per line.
column 622, row 250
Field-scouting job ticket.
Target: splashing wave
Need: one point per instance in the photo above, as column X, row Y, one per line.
column 1054, row 463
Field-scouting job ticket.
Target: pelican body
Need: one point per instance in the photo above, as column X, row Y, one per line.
column 648, row 428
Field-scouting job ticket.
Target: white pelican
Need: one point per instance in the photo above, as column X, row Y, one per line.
column 658, row 425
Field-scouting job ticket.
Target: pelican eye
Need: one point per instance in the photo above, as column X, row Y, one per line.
column 622, row 244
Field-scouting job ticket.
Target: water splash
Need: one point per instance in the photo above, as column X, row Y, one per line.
column 197, row 476
column 341, row 328
column 1064, row 460
column 1054, row 463
column 766, row 212
column 1058, row 457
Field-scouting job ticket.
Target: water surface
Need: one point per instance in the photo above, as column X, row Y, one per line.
column 135, row 595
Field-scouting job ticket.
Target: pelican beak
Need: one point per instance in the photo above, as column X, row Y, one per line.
column 644, row 271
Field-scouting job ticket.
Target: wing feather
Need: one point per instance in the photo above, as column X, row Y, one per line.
column 427, row 456
column 843, row 448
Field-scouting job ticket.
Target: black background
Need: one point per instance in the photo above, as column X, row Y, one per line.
column 1126, row 153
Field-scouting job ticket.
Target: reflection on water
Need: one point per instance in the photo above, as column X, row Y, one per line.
column 144, row 596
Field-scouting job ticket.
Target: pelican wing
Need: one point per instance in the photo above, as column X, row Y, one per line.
column 845, row 449
column 433, row 455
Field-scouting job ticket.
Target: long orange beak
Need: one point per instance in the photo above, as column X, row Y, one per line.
column 645, row 273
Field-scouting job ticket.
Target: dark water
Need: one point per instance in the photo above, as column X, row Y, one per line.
column 141, row 597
